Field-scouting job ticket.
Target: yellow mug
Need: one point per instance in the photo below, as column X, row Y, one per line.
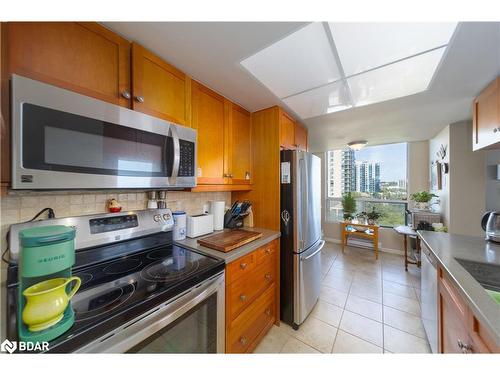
column 47, row 301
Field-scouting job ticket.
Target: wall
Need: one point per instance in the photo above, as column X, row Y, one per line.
column 418, row 179
column 467, row 182
column 463, row 196
column 18, row 207
column 492, row 159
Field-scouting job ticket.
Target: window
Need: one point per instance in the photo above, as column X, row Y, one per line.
column 375, row 175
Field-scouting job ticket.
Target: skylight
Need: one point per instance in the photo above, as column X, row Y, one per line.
column 329, row 67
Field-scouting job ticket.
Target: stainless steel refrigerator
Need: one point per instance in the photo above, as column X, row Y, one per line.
column 300, row 241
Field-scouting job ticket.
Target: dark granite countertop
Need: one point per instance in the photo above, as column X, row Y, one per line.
column 446, row 247
column 267, row 236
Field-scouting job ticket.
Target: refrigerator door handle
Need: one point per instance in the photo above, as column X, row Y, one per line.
column 302, row 202
column 321, row 244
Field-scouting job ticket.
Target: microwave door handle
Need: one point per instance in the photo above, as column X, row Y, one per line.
column 176, row 161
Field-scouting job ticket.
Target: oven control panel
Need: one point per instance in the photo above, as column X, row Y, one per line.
column 109, row 224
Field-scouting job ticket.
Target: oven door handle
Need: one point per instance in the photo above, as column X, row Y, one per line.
column 177, row 157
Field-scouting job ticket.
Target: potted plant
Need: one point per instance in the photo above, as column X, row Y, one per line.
column 373, row 216
column 348, row 206
column 362, row 216
column 422, row 199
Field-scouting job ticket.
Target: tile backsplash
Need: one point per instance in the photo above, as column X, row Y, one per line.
column 18, row 207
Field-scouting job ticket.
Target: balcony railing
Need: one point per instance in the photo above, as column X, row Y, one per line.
column 393, row 211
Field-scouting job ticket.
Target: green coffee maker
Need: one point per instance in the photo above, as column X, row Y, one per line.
column 46, row 285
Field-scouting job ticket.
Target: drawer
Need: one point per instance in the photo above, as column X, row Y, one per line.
column 245, row 329
column 240, row 267
column 267, row 252
column 244, row 291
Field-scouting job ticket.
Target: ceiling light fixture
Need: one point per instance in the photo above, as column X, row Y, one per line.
column 357, row 145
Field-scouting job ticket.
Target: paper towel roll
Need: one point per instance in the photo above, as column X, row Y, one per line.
column 217, row 210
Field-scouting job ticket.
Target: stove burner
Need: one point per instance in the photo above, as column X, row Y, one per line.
column 169, row 269
column 85, row 277
column 158, row 254
column 104, row 302
column 122, row 266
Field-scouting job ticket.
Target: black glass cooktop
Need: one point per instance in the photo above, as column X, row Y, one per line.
column 118, row 289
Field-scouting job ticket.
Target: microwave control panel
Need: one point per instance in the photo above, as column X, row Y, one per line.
column 186, row 158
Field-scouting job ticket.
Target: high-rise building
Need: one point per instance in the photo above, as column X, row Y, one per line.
column 367, row 177
column 341, row 172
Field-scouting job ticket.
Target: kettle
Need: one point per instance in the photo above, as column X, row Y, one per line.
column 491, row 225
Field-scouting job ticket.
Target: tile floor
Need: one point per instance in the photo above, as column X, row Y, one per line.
column 365, row 306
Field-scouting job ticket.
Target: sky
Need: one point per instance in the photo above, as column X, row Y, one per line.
column 392, row 159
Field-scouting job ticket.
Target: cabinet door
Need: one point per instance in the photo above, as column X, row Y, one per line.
column 300, row 137
column 453, row 319
column 159, row 89
column 486, row 118
column 239, row 146
column 79, row 56
column 287, row 131
column 209, row 119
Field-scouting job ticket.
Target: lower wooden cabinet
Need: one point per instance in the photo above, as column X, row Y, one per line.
column 459, row 330
column 252, row 298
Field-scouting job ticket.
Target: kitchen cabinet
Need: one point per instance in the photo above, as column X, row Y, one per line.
column 252, row 298
column 158, row 88
column 79, row 56
column 287, row 131
column 210, row 112
column 224, row 141
column 239, row 146
column 486, row 118
column 300, row 137
column 459, row 329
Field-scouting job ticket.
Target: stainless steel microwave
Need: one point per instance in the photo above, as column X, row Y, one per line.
column 65, row 140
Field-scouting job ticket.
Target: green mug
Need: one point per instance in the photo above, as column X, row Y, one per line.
column 47, row 301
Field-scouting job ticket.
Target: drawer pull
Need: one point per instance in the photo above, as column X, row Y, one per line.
column 268, row 277
column 243, row 340
column 268, row 312
column 243, row 297
column 267, row 251
column 243, row 266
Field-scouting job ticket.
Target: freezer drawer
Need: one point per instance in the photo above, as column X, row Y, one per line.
column 307, row 281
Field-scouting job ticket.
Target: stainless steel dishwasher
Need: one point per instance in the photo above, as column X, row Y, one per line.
column 429, row 296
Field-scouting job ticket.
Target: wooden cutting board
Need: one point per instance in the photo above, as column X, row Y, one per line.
column 229, row 240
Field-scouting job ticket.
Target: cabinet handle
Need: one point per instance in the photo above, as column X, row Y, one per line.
column 243, row 266
column 267, row 251
column 268, row 276
column 139, row 99
column 243, row 297
column 228, row 175
column 268, row 312
column 243, row 340
column 126, row 94
column 464, row 347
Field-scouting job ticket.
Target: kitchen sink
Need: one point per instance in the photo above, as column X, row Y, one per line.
column 486, row 274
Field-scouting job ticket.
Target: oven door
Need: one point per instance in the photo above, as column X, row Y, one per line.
column 64, row 140
column 191, row 323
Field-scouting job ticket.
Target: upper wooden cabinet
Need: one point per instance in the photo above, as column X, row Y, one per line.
column 224, row 139
column 80, row 56
column 287, row 131
column 486, row 118
column 210, row 112
column 239, row 146
column 300, row 137
column 158, row 88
